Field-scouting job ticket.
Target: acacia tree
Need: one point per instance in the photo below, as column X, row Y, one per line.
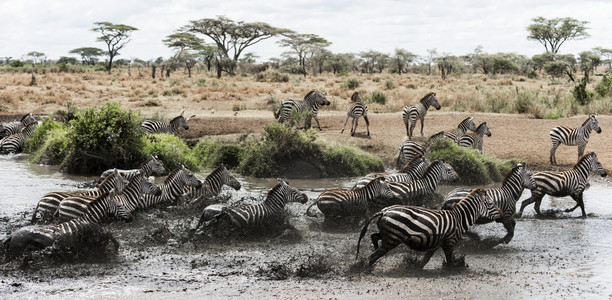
column 232, row 38
column 588, row 62
column 607, row 53
column 88, row 54
column 401, row 58
column 552, row 33
column 208, row 52
column 304, row 45
column 36, row 57
column 184, row 43
column 115, row 36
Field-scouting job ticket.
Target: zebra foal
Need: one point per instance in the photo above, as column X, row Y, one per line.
column 573, row 137
column 474, row 140
column 413, row 112
column 14, row 143
column 163, row 127
column 311, row 103
column 425, row 229
column 356, row 110
column 462, row 128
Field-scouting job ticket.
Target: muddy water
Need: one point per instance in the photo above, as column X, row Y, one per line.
column 559, row 255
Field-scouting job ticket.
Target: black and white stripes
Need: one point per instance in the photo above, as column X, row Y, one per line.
column 163, row 127
column 311, row 103
column 413, row 112
column 573, row 136
column 356, row 110
column 14, row 143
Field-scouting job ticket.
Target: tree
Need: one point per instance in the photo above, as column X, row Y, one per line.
column 447, row 63
column 36, row 57
column 588, row 62
column 208, row 52
column 88, row 55
column 67, row 60
column 607, row 53
column 303, row 44
column 115, row 36
column 184, row 43
column 552, row 33
column 232, row 38
column 341, row 62
column 430, row 59
column 402, row 58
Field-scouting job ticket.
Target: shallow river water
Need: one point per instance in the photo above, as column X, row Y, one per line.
column 561, row 255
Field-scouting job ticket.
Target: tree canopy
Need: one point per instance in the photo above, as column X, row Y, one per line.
column 88, row 54
column 302, row 45
column 552, row 33
column 115, row 36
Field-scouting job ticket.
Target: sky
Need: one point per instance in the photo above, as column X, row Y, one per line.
column 458, row 27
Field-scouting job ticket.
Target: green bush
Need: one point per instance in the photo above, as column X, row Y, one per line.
column 604, row 87
column 104, row 138
column 49, row 143
column 171, row 150
column 378, row 97
column 211, row 153
column 352, row 84
column 344, row 160
column 472, row 167
column 581, row 94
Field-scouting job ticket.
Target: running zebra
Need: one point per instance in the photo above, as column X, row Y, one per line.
column 411, row 191
column 83, row 235
column 462, row 128
column 14, row 143
column 568, row 183
column 355, row 110
column 150, row 167
column 172, row 188
column 573, row 137
column 425, row 229
column 505, row 197
column 49, row 203
column 311, row 103
column 212, row 184
column 413, row 112
column 355, row 202
column 251, row 215
column 163, row 127
column 412, row 170
column 409, row 149
column 15, row 127
column 129, row 198
column 474, row 140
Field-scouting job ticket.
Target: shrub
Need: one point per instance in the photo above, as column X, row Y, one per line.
column 581, row 94
column 351, row 84
column 389, row 84
column 49, row 143
column 344, row 160
column 378, row 97
column 171, row 150
column 210, row 153
column 604, row 87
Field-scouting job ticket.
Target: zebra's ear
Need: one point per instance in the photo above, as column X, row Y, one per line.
column 182, row 112
column 190, row 118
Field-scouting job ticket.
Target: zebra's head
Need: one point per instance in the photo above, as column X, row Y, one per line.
column 145, row 185
column 114, row 181
column 448, row 173
column 355, row 97
column 188, row 179
column 290, row 194
column 487, row 210
column 432, row 100
column 596, row 165
column 483, row 128
column 382, row 188
column 594, row 123
column 229, row 179
column 527, row 180
column 469, row 124
column 115, row 209
column 157, row 166
column 317, row 98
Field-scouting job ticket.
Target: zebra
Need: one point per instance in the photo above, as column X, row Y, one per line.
column 163, row 127
column 425, row 229
column 172, row 187
column 505, row 197
column 150, row 167
column 355, row 202
column 567, row 183
column 573, row 137
column 413, row 112
column 412, row 170
column 462, row 128
column 474, row 140
column 406, row 192
column 83, row 234
column 410, row 149
column 14, row 142
column 355, row 110
column 311, row 103
column 251, row 215
column 129, row 198
column 49, row 203
column 212, row 184
column 15, row 127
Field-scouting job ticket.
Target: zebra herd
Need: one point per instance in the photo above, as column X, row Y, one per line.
column 394, row 199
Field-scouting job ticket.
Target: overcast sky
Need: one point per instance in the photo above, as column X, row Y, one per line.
column 55, row 27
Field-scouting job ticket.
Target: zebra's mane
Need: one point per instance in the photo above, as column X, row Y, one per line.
column 355, row 97
column 310, row 93
column 426, row 96
column 172, row 175
column 219, row 169
column 24, row 117
column 108, row 178
column 435, row 163
column 176, row 118
column 468, row 195
column 464, row 120
column 510, row 174
column 411, row 163
column 586, row 121
column 479, row 126
column 584, row 157
column 274, row 190
column 96, row 200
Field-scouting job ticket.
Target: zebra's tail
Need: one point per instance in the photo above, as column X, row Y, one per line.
column 365, row 229
column 398, row 161
column 308, row 210
column 34, row 215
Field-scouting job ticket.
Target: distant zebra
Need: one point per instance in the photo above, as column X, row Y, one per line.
column 355, row 110
column 150, row 167
column 49, row 203
column 15, row 127
column 412, row 170
column 474, row 140
column 172, row 188
column 250, row 215
column 462, row 128
column 413, row 112
column 14, row 143
column 212, row 184
column 163, row 127
column 505, row 197
column 568, row 183
column 78, row 236
column 311, row 103
column 356, row 202
column 409, row 192
column 573, row 137
column 129, row 198
column 425, row 229
column 409, row 149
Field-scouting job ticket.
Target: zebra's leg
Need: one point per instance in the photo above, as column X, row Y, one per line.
column 387, row 244
column 412, row 126
column 345, row 121
column 367, row 123
column 375, row 238
column 553, row 158
column 509, row 224
column 448, row 246
column 523, row 205
column 581, row 150
column 426, row 258
column 579, row 202
column 422, row 120
column 407, row 124
column 355, row 122
column 318, row 125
